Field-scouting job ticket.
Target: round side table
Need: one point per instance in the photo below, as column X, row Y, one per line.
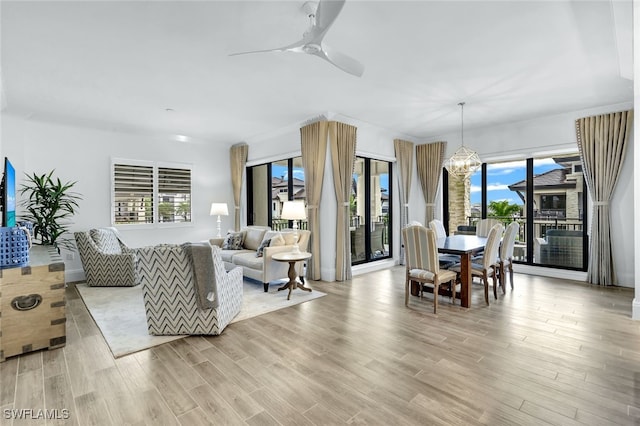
column 292, row 258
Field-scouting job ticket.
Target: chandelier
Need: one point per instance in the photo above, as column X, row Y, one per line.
column 464, row 162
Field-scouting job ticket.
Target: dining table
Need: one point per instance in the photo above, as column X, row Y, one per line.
column 466, row 246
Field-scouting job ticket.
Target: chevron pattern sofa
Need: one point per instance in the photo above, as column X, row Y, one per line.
column 106, row 260
column 170, row 297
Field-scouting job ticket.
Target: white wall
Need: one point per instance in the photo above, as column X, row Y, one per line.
column 636, row 164
column 85, row 155
column 548, row 136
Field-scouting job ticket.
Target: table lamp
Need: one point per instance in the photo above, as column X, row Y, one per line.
column 294, row 210
column 219, row 209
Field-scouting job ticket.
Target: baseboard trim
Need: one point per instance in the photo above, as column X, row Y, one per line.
column 73, row 275
column 635, row 309
column 373, row 266
column 551, row 272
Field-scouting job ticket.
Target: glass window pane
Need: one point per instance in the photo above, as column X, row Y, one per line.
column 558, row 192
column 506, row 195
column 174, row 195
column 297, row 181
column 357, row 208
column 260, row 198
column 379, row 193
column 133, row 194
column 279, row 192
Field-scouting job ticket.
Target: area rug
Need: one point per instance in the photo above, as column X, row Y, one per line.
column 120, row 316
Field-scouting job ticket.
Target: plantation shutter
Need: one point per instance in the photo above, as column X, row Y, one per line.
column 133, row 194
column 174, row 194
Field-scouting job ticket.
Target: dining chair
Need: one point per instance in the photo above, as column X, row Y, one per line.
column 488, row 265
column 506, row 253
column 484, row 226
column 438, row 227
column 423, row 266
column 446, row 260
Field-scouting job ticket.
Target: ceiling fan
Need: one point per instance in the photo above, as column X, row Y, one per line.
column 321, row 16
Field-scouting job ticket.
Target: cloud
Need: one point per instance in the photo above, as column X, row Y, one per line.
column 511, row 165
column 501, row 172
column 491, row 187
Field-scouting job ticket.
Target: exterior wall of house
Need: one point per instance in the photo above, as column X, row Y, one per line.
column 459, row 195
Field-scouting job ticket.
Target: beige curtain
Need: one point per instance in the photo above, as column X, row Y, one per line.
column 313, row 140
column 342, row 140
column 404, row 162
column 239, row 153
column 602, row 141
column 429, row 161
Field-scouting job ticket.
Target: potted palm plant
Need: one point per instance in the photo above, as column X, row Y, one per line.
column 49, row 204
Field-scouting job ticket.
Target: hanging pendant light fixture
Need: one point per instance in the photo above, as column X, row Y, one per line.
column 464, row 162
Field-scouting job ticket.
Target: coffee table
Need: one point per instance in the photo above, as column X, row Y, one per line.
column 292, row 258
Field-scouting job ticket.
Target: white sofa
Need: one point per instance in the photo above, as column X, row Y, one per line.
column 263, row 269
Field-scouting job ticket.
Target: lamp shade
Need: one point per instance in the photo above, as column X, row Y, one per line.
column 219, row 209
column 293, row 210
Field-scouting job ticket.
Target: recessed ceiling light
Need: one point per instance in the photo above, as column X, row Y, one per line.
column 182, row 138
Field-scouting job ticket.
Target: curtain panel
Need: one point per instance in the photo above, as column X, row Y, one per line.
column 602, row 142
column 239, row 153
column 429, row 162
column 404, row 161
column 342, row 142
column 313, row 141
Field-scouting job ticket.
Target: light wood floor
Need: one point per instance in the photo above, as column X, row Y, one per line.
column 549, row 352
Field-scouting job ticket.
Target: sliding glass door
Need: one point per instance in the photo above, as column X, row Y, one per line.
column 546, row 196
column 370, row 213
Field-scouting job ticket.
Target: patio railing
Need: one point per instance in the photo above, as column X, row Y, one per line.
column 541, row 224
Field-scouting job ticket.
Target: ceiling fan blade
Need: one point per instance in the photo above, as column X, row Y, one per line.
column 295, row 47
column 327, row 12
column 344, row 62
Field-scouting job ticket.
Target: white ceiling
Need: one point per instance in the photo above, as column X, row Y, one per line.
column 120, row 65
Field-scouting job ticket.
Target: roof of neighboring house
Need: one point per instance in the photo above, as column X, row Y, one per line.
column 556, row 178
column 279, row 182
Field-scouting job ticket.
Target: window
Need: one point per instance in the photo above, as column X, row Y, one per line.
column 149, row 193
column 269, row 186
column 545, row 195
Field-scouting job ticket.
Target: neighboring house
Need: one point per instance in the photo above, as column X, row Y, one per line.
column 280, row 193
column 558, row 193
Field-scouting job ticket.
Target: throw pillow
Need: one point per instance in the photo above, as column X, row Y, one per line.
column 277, row 240
column 289, row 238
column 263, row 244
column 106, row 240
column 253, row 237
column 233, row 241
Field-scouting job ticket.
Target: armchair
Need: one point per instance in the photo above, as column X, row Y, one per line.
column 561, row 247
column 106, row 260
column 170, row 276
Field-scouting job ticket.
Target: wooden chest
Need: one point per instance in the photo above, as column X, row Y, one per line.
column 32, row 304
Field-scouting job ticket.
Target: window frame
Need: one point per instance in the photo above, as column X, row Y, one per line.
column 155, row 196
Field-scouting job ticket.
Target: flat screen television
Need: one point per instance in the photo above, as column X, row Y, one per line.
column 8, row 194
